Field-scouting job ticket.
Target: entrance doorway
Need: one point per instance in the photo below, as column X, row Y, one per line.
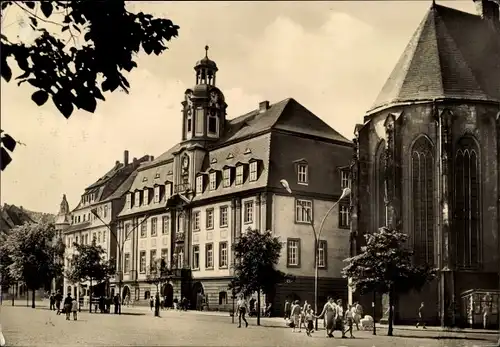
column 126, row 295
column 198, row 296
column 168, row 294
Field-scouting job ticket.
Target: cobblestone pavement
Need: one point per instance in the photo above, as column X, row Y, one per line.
column 40, row 327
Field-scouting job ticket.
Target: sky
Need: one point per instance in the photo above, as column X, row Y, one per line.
column 332, row 57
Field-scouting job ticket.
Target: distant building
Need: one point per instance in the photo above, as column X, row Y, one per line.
column 94, row 217
column 190, row 204
column 429, row 153
column 62, row 223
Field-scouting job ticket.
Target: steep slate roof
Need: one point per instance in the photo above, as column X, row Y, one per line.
column 452, row 55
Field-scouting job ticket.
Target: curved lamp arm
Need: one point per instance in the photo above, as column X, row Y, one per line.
column 346, row 192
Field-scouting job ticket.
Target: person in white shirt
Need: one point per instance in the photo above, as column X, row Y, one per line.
column 242, row 307
column 339, row 321
column 349, row 318
column 296, row 315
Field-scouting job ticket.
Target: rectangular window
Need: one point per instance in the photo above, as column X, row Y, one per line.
column 127, row 231
column 126, row 263
column 213, row 180
column 199, row 184
column 99, row 237
column 200, row 115
column 248, row 212
column 157, row 194
column 303, row 211
column 223, row 261
column 137, row 201
column 322, row 254
column 196, row 257
column 344, row 218
column 293, row 253
column 145, row 197
column 76, row 239
column 209, row 256
column 144, row 228
column 152, row 257
column 302, row 174
column 165, row 225
column 168, row 190
column 142, row 262
column 154, row 226
column 210, row 218
column 86, row 239
column 253, row 171
column 227, row 178
column 223, row 216
column 105, row 211
column 212, row 124
column 239, row 175
column 164, row 254
column 344, row 179
column 196, row 221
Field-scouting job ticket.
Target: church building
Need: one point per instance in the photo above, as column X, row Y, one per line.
column 427, row 159
column 190, row 204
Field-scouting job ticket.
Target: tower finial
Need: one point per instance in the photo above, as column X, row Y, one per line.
column 206, row 51
column 433, row 3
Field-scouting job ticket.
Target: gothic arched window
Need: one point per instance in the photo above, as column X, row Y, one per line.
column 380, row 185
column 422, row 191
column 467, row 197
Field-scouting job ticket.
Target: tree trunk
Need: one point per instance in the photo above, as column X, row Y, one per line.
column 374, row 312
column 13, row 294
column 33, row 298
column 90, row 296
column 391, row 311
column 258, row 307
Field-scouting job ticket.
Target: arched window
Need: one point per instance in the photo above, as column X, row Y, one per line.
column 222, row 298
column 422, row 191
column 380, row 185
column 147, row 294
column 467, row 197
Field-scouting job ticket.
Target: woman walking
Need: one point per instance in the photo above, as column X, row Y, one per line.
column 242, row 308
column 329, row 312
column 296, row 315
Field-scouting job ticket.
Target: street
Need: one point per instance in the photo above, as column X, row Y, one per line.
column 24, row 326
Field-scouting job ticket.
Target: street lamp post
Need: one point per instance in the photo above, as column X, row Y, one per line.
column 345, row 192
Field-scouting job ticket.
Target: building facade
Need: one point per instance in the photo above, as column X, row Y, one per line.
column 427, row 158
column 94, row 218
column 61, row 224
column 190, row 204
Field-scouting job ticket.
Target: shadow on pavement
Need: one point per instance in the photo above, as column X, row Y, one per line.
column 130, row 314
column 430, row 337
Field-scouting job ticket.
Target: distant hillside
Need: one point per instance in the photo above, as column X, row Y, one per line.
column 12, row 216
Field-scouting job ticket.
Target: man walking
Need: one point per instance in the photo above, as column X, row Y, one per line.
column 242, row 308
column 421, row 316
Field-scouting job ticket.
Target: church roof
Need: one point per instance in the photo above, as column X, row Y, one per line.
column 452, row 55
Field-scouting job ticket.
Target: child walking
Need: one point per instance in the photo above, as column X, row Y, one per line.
column 309, row 318
column 349, row 317
column 74, row 309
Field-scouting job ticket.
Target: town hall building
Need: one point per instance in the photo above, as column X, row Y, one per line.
column 190, row 204
column 428, row 161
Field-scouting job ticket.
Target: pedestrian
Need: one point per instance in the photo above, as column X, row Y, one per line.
column 329, row 312
column 421, row 316
column 309, row 317
column 287, row 309
column 151, row 303
column 296, row 315
column 52, row 301
column 358, row 312
column 176, row 303
column 157, row 305
column 303, row 315
column 116, row 302
column 349, row 319
column 486, row 314
column 67, row 305
column 58, row 298
column 339, row 321
column 74, row 308
column 242, row 307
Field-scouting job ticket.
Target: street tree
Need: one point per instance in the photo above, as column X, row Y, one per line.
column 6, row 280
column 256, row 257
column 80, row 49
column 88, row 264
column 385, row 266
column 158, row 273
column 32, row 255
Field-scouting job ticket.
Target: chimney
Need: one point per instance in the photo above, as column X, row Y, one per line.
column 263, row 106
column 151, row 158
column 134, row 160
column 117, row 163
column 125, row 157
column 488, row 9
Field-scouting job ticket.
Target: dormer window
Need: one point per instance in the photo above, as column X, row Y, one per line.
column 253, row 171
column 302, row 173
column 199, row 184
column 157, row 194
column 227, row 178
column 212, row 122
column 137, row 198
column 129, row 200
column 145, row 197
column 213, row 180
column 344, row 179
column 239, row 175
column 168, row 190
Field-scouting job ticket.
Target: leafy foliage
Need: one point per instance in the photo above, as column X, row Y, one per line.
column 256, row 257
column 385, row 266
column 158, row 273
column 87, row 264
column 31, row 255
column 72, row 73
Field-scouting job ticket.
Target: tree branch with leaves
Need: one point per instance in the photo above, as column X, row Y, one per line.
column 158, row 273
column 385, row 266
column 74, row 74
